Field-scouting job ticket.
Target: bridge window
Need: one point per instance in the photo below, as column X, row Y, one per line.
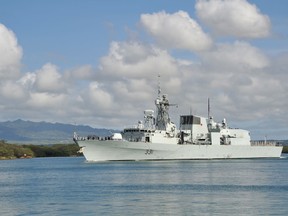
column 189, row 120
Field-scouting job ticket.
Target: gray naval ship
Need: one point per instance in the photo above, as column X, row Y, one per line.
column 157, row 138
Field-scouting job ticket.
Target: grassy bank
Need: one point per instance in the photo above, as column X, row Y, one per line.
column 13, row 151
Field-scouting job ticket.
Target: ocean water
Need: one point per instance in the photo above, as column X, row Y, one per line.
column 70, row 186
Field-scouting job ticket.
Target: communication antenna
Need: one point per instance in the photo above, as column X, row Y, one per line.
column 159, row 88
column 208, row 108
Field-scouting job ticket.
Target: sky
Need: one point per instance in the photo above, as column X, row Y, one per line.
column 97, row 62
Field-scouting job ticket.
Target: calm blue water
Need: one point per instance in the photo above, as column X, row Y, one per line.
column 69, row 186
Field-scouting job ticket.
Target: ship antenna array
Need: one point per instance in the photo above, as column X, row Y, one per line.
column 208, row 108
column 159, row 88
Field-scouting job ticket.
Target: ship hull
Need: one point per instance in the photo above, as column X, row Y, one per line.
column 111, row 150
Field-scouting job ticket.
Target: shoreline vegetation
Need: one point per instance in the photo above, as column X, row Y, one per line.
column 18, row 151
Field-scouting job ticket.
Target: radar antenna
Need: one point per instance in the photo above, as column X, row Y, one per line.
column 159, row 87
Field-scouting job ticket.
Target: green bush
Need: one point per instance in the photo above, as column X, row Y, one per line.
column 285, row 149
column 14, row 151
column 8, row 151
column 56, row 150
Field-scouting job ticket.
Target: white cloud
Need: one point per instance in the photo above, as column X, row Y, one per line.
column 27, row 80
column 237, row 56
column 136, row 60
column 130, row 52
column 46, row 101
column 13, row 92
column 98, row 97
column 48, row 79
column 236, row 18
column 176, row 30
column 136, row 90
column 84, row 72
column 11, row 54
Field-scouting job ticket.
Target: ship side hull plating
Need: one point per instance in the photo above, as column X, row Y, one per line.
column 111, row 150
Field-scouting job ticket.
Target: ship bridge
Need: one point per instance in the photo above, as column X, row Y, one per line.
column 194, row 129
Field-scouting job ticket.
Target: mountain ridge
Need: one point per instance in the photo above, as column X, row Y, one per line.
column 25, row 131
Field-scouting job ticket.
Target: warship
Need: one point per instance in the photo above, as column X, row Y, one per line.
column 158, row 138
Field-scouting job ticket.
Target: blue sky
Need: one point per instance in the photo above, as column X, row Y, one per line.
column 57, row 31
column 96, row 62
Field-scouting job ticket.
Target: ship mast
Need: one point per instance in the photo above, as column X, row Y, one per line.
column 162, row 105
column 159, row 87
column 208, row 108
